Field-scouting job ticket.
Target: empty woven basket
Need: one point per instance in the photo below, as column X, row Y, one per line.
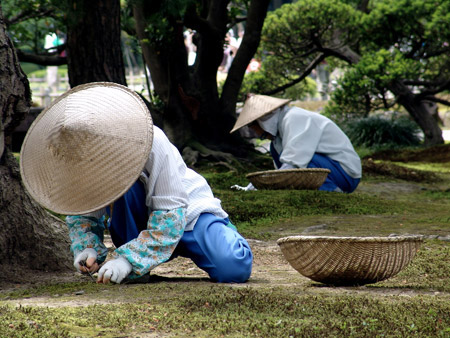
column 349, row 260
column 301, row 178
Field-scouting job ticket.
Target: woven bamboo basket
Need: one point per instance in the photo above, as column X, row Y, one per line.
column 349, row 260
column 301, row 178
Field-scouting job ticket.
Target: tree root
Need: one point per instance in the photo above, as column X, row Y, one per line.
column 195, row 150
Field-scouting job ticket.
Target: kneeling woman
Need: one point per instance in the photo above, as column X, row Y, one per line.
column 95, row 151
column 302, row 139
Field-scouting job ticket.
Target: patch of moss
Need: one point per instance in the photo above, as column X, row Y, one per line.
column 397, row 207
column 432, row 154
column 60, row 289
column 261, row 208
column 428, row 271
column 224, row 180
column 398, row 171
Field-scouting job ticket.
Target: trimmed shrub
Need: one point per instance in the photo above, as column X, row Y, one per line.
column 380, row 132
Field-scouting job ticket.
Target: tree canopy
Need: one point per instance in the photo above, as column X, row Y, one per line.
column 392, row 52
column 28, row 22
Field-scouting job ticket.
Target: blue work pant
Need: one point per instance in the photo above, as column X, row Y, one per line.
column 213, row 245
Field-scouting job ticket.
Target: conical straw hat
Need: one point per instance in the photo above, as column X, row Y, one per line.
column 87, row 148
column 257, row 106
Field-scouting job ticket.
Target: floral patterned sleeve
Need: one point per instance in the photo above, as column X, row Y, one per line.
column 156, row 244
column 87, row 232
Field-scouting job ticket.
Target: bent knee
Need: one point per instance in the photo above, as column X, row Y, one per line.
column 235, row 269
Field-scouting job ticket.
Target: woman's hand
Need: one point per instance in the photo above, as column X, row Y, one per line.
column 86, row 261
column 114, row 270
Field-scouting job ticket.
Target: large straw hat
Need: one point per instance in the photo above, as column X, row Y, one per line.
column 257, row 106
column 87, row 148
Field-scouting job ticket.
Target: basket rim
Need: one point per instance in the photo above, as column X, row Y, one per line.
column 288, row 171
column 402, row 238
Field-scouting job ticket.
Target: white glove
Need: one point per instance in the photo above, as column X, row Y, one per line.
column 247, row 188
column 115, row 270
column 83, row 256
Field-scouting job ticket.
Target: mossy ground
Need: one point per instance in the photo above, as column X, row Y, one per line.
column 179, row 300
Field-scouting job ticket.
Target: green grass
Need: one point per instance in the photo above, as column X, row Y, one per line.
column 428, row 272
column 42, row 73
column 256, row 211
column 442, row 168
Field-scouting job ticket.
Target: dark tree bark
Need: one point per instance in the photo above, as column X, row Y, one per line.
column 194, row 110
column 93, row 42
column 250, row 42
column 42, row 60
column 166, row 66
column 419, row 112
column 30, row 238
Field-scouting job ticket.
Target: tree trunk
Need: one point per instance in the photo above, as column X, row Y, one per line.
column 193, row 109
column 93, row 42
column 419, row 112
column 30, row 238
column 168, row 64
column 250, row 42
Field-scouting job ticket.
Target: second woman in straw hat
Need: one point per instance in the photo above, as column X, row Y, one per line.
column 302, row 139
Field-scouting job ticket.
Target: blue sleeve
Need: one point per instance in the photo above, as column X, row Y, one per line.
column 87, row 232
column 156, row 244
